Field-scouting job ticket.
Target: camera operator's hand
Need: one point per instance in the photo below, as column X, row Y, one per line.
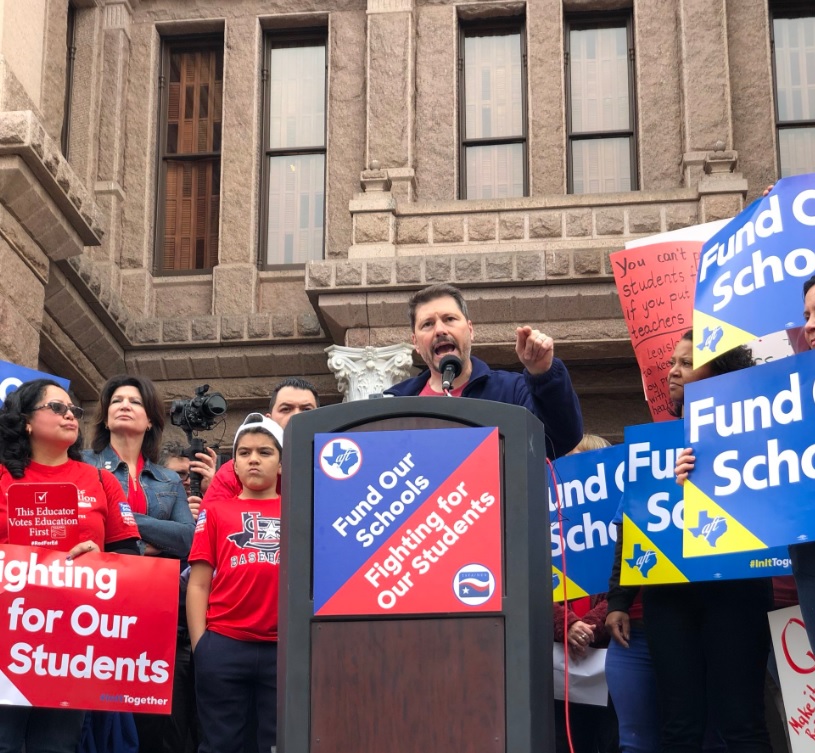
column 204, row 464
column 195, row 506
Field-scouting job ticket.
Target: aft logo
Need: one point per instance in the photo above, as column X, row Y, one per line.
column 340, row 458
column 473, row 585
column 710, row 339
column 259, row 532
column 642, row 560
column 709, row 529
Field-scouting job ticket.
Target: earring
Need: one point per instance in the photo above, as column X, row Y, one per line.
column 28, row 428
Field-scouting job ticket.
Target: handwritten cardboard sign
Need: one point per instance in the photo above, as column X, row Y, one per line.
column 796, row 671
column 656, row 284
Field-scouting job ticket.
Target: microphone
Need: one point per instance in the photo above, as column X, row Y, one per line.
column 450, row 367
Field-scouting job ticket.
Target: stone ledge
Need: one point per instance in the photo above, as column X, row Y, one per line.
column 22, row 135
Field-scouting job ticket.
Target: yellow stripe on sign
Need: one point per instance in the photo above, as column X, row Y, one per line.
column 636, row 545
column 702, row 512
column 573, row 590
column 711, row 332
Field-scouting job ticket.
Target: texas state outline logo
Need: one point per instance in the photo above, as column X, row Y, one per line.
column 340, row 458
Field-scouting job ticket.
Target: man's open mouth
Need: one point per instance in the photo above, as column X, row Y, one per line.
column 442, row 349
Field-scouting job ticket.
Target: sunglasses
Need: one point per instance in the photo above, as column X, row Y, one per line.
column 61, row 408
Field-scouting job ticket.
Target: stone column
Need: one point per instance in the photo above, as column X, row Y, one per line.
column 391, row 105
column 362, row 372
column 707, row 115
column 109, row 180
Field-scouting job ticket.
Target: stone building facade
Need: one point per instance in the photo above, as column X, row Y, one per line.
column 86, row 127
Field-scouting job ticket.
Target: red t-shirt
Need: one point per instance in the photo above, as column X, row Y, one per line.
column 104, row 515
column 428, row 391
column 240, row 539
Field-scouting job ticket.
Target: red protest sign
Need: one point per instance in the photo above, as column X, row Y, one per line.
column 98, row 632
column 656, row 285
column 44, row 514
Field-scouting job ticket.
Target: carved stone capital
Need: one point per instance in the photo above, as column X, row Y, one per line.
column 361, row 372
column 720, row 162
column 375, row 179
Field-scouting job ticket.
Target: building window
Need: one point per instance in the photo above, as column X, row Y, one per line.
column 70, row 56
column 293, row 199
column 794, row 64
column 600, row 112
column 190, row 172
column 492, row 65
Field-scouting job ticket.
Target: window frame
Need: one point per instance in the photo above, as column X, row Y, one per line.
column 70, row 58
column 279, row 38
column 583, row 22
column 491, row 27
column 780, row 9
column 187, row 42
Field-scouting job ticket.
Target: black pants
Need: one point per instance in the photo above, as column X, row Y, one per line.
column 39, row 730
column 232, row 678
column 594, row 728
column 709, row 643
column 177, row 733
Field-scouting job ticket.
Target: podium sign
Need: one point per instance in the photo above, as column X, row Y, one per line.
column 407, row 522
column 414, row 596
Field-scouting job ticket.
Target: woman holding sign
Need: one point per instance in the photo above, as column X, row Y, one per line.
column 39, row 442
column 709, row 641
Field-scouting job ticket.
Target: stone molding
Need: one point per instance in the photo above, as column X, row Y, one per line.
column 118, row 15
column 362, row 372
column 22, row 135
column 391, row 6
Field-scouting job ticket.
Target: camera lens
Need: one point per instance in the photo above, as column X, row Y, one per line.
column 214, row 405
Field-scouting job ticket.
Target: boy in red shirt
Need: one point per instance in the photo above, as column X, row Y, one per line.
column 232, row 597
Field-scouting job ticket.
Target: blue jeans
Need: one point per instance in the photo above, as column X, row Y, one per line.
column 803, row 568
column 633, row 690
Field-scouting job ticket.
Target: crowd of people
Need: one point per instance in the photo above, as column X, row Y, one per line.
column 685, row 666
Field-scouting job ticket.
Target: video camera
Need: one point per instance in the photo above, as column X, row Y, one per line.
column 199, row 413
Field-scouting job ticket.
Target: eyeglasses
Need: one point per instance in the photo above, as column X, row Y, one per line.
column 61, row 408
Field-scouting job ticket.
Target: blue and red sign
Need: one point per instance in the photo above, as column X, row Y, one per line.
column 407, row 522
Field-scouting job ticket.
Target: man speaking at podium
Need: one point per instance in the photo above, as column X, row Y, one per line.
column 443, row 335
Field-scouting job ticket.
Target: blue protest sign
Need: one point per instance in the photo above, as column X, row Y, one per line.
column 753, row 486
column 407, row 522
column 589, row 487
column 751, row 272
column 12, row 376
column 653, row 520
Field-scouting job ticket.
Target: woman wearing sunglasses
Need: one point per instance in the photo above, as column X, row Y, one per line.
column 39, row 442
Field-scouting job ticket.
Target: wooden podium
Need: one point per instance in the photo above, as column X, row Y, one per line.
column 455, row 682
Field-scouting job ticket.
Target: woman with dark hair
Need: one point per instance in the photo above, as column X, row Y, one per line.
column 803, row 555
column 39, row 442
column 709, row 641
column 126, row 441
column 127, row 430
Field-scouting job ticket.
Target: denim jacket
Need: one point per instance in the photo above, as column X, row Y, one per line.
column 168, row 524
